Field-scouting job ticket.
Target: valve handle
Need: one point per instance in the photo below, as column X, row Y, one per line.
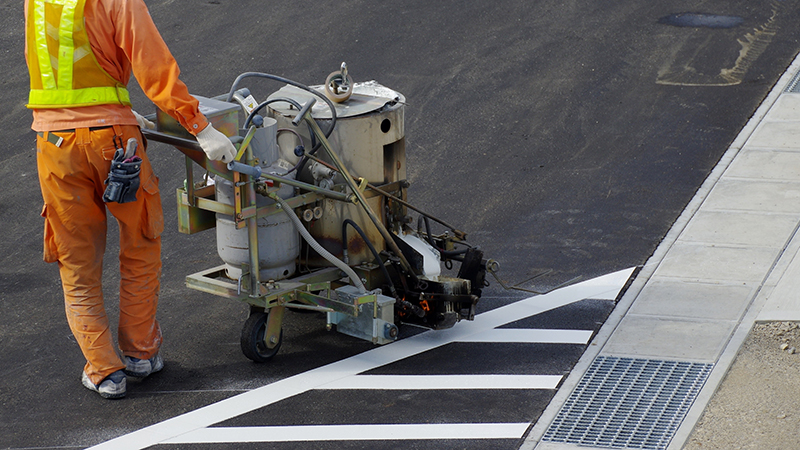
column 306, row 108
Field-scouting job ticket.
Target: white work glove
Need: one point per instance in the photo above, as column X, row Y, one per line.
column 216, row 145
column 143, row 123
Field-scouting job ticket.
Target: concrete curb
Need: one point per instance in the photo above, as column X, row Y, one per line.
column 595, row 347
column 745, row 325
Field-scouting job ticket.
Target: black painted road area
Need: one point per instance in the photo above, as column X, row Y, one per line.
column 562, row 136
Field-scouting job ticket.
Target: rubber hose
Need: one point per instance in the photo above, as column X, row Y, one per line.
column 267, row 102
column 287, row 81
column 317, row 247
column 274, row 100
column 302, row 162
column 371, row 248
column 448, row 253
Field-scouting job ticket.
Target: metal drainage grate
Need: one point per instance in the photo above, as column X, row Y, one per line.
column 628, row 403
column 794, row 86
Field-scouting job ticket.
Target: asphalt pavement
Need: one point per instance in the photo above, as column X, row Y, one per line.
column 566, row 138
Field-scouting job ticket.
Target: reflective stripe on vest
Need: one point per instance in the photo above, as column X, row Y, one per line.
column 64, row 72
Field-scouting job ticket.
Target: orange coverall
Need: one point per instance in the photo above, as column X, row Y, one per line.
column 124, row 39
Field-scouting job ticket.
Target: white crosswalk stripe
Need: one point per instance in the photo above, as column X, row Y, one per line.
column 532, row 336
column 348, row 372
column 315, row 433
column 426, row 382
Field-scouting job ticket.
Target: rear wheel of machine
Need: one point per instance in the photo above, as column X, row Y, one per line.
column 252, row 341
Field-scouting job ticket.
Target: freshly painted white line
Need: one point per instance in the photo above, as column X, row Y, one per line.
column 603, row 287
column 531, row 336
column 423, row 382
column 367, row 432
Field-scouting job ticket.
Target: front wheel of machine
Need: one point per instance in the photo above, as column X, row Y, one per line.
column 252, row 340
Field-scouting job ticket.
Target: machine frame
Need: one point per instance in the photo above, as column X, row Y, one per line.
column 357, row 307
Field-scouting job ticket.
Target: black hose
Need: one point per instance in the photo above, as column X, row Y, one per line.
column 447, row 253
column 314, row 146
column 287, row 100
column 300, row 138
column 267, row 102
column 287, row 81
column 371, row 248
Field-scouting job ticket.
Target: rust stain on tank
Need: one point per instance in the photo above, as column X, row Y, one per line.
column 332, row 245
column 356, row 244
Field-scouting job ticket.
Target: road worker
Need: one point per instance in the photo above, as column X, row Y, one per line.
column 80, row 56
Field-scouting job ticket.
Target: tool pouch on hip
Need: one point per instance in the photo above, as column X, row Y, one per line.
column 123, row 179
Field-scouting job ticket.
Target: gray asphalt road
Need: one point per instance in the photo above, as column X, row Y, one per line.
column 563, row 136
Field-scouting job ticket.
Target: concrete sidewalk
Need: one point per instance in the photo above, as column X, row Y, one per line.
column 728, row 261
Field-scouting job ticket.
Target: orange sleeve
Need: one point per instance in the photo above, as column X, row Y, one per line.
column 152, row 63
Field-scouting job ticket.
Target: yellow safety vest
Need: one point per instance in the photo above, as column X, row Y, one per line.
column 64, row 71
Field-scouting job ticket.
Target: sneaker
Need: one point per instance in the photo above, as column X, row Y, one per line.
column 141, row 368
column 113, row 386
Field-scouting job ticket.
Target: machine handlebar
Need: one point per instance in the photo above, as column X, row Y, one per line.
column 306, row 108
column 252, row 171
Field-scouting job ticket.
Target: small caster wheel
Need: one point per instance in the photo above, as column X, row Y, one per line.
column 253, row 345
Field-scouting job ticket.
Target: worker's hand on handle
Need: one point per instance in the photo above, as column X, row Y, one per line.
column 143, row 123
column 216, row 145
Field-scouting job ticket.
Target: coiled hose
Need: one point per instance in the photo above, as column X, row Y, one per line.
column 317, row 247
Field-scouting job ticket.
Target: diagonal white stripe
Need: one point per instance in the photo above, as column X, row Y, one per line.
column 531, row 336
column 352, row 433
column 606, row 286
column 425, row 382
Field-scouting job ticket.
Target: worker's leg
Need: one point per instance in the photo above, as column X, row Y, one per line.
column 75, row 236
column 140, row 224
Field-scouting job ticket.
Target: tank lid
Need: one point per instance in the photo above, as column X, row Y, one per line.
column 367, row 97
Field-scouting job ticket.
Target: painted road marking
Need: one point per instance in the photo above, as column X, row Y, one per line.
column 424, row 382
column 532, row 336
column 604, row 287
column 218, row 435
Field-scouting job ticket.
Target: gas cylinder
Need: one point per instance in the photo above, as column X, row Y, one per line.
column 278, row 240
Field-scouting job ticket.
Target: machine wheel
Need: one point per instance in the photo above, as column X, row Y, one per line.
column 252, row 341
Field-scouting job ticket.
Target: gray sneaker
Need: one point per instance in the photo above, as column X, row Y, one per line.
column 113, row 386
column 141, row 368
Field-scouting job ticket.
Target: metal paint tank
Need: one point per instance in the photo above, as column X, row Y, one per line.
column 370, row 140
column 278, row 240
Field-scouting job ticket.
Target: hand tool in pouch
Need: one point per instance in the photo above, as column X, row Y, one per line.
column 123, row 179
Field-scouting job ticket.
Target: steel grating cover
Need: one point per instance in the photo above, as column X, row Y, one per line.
column 628, row 403
column 794, row 85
